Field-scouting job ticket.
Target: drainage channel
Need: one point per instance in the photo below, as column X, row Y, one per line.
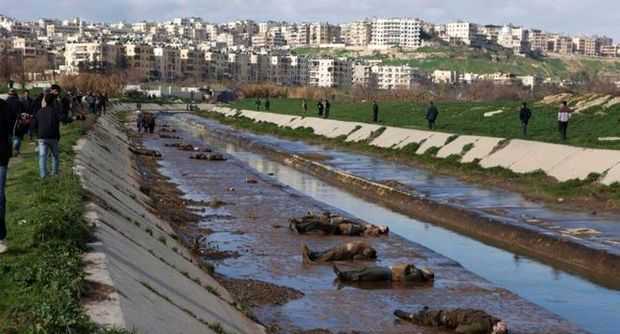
column 592, row 307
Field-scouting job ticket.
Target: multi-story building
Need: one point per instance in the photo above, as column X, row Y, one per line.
column 405, row 33
column 393, row 77
column 324, row 33
column 330, row 72
column 357, row 33
column 610, row 50
column 193, row 65
column 448, row 77
column 140, row 59
column 515, row 38
column 167, row 63
column 590, row 46
column 538, row 41
column 464, row 32
column 362, row 75
column 91, row 55
column 490, row 32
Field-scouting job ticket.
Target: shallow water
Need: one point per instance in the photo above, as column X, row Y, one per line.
column 593, row 307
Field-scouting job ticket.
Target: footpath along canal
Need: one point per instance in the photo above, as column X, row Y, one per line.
column 592, row 307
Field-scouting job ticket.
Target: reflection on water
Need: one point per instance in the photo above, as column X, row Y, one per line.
column 593, row 307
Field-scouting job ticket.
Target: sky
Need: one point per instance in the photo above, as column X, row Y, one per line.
column 563, row 16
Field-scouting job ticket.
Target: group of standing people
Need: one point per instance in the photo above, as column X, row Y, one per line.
column 40, row 117
column 145, row 121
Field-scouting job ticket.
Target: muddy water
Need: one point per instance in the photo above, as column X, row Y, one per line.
column 590, row 306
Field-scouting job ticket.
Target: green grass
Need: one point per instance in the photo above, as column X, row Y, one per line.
column 41, row 277
column 468, row 118
column 535, row 185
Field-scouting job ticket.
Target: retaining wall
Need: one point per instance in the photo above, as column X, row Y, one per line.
column 159, row 287
column 561, row 162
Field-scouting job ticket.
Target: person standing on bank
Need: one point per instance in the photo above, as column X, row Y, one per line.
column 319, row 107
column 267, row 104
column 375, row 112
column 258, row 103
column 431, row 115
column 327, row 107
column 7, row 121
column 564, row 116
column 524, row 115
column 46, row 123
column 304, row 106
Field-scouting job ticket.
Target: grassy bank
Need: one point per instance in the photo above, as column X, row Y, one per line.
column 41, row 277
column 586, row 194
column 468, row 118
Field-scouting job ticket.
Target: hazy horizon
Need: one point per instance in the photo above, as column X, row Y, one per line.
column 568, row 16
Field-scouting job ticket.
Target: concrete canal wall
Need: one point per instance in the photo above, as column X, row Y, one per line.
column 561, row 162
column 153, row 284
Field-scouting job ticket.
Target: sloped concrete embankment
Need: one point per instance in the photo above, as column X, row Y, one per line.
column 561, row 162
column 157, row 285
column 600, row 264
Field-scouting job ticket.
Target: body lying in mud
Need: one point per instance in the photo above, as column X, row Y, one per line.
column 209, row 157
column 189, row 147
column 462, row 321
column 351, row 251
column 165, row 136
column 397, row 273
column 332, row 224
column 138, row 150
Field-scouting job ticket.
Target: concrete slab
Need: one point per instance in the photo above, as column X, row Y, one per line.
column 582, row 164
column 541, row 156
column 415, row 137
column 391, row 137
column 438, row 139
column 363, row 133
column 482, row 148
column 515, row 151
column 612, row 176
column 456, row 146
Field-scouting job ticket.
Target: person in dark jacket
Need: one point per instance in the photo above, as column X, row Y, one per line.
column 28, row 104
column 319, row 107
column 267, row 104
column 258, row 103
column 16, row 109
column 431, row 115
column 46, row 123
column 375, row 112
column 7, row 120
column 327, row 107
column 524, row 115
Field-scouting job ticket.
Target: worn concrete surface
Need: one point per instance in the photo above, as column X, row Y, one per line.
column 161, row 289
column 457, row 146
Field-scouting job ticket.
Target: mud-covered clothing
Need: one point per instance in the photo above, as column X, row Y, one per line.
column 330, row 224
column 350, row 251
column 397, row 273
column 462, row 321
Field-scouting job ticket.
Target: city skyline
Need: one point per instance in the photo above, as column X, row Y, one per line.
column 572, row 17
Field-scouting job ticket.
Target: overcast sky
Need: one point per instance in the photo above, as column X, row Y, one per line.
column 564, row 16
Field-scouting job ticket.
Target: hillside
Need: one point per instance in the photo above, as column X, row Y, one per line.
column 482, row 61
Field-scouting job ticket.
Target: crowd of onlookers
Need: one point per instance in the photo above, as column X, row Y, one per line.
column 39, row 117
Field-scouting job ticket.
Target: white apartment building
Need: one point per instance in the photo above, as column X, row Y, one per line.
column 330, row 72
column 590, row 46
column 140, row 59
column 538, row 41
column 515, row 38
column 393, row 77
column 357, row 33
column 448, row 77
column 362, row 75
column 403, row 33
column 464, row 32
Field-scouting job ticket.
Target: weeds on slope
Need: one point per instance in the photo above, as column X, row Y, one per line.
column 41, row 277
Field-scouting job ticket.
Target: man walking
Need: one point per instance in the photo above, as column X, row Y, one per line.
column 524, row 115
column 375, row 112
column 563, row 116
column 431, row 115
column 15, row 109
column 47, row 125
column 7, row 121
